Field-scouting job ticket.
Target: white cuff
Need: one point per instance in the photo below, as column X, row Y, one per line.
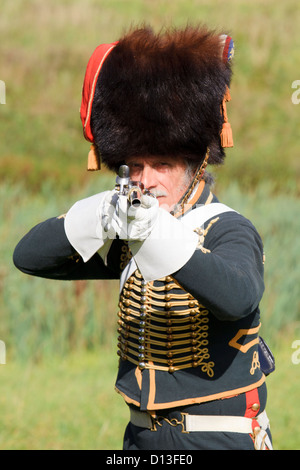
column 169, row 247
column 83, row 226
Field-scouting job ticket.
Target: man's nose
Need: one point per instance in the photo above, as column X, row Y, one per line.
column 148, row 177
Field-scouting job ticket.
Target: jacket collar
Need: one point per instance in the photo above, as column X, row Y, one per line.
column 202, row 195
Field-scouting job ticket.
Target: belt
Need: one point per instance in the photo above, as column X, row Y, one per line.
column 202, row 423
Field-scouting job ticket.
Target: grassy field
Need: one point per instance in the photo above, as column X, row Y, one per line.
column 70, row 403
column 62, row 404
column 56, row 390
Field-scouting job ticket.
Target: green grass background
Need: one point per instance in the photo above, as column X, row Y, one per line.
column 56, row 389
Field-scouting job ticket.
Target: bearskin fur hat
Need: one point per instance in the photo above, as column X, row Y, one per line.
column 158, row 94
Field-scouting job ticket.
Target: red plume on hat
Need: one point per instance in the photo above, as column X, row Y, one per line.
column 163, row 94
column 90, row 80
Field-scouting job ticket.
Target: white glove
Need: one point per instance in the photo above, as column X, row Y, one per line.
column 142, row 219
column 128, row 222
column 168, row 247
column 107, row 215
column 84, row 228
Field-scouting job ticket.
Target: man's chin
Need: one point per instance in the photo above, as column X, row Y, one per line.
column 164, row 204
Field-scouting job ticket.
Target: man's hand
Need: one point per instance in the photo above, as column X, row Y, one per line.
column 128, row 222
column 107, row 214
column 142, row 219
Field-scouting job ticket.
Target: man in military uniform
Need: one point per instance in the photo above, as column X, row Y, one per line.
column 190, row 268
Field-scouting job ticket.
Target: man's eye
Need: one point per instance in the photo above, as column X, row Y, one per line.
column 134, row 168
column 163, row 164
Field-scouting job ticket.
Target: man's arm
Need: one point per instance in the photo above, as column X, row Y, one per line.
column 227, row 276
column 45, row 251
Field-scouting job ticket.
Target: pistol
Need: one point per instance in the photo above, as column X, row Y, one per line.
column 132, row 189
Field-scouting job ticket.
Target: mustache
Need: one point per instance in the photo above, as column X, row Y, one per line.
column 158, row 192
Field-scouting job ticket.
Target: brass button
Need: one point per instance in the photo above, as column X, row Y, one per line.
column 255, row 407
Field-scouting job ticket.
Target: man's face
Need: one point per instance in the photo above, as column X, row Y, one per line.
column 165, row 177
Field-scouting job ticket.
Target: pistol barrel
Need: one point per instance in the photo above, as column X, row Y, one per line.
column 134, row 196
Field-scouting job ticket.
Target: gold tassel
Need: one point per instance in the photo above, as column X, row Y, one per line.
column 93, row 159
column 226, row 133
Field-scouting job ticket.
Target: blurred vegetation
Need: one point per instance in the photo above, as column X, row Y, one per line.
column 44, row 50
